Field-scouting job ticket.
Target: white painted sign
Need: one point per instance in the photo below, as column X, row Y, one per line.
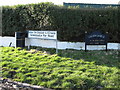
column 42, row 34
column 50, row 35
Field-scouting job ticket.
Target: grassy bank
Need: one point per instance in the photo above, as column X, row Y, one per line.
column 100, row 57
column 68, row 69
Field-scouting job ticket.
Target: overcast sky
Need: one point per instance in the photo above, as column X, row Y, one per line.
column 58, row 2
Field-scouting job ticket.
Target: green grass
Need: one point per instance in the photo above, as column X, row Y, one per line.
column 68, row 69
column 109, row 58
column 103, row 58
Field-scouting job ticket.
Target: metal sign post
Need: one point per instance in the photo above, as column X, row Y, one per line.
column 56, row 44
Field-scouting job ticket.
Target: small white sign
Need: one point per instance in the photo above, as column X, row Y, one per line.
column 42, row 34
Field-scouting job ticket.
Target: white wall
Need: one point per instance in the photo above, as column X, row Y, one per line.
column 5, row 41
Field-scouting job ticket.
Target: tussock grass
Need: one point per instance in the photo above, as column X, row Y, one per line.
column 63, row 71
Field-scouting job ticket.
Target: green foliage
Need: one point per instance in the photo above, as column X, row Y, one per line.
column 109, row 58
column 53, row 71
column 71, row 23
column 24, row 17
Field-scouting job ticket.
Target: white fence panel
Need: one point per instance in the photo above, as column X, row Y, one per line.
column 5, row 41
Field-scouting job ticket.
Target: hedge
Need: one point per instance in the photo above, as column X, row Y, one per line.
column 24, row 17
column 71, row 23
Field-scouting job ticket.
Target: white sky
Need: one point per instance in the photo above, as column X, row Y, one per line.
column 58, row 2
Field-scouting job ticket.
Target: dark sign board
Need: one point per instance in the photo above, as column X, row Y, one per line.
column 96, row 38
column 20, row 39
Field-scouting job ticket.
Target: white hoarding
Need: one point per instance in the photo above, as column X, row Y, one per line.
column 42, row 34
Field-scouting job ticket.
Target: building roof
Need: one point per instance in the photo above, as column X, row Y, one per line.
column 90, row 5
